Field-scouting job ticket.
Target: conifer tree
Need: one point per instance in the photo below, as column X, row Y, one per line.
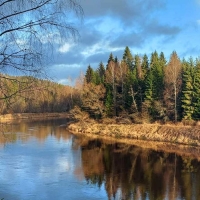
column 162, row 59
column 147, row 106
column 90, row 75
column 116, row 60
column 188, row 90
column 101, row 72
column 128, row 58
column 157, row 69
column 111, row 81
column 145, row 65
column 197, row 90
column 109, row 102
column 111, row 58
column 154, row 86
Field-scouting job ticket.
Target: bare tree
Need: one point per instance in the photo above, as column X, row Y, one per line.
column 123, row 71
column 111, row 77
column 173, row 82
column 27, row 29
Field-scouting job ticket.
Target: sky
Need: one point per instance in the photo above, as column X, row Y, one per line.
column 108, row 26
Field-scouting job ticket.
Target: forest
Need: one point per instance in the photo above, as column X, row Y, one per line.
column 25, row 94
column 138, row 88
column 143, row 89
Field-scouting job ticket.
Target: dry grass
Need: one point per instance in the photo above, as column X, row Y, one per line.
column 172, row 133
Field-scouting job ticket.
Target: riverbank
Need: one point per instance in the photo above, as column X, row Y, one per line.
column 187, row 135
column 31, row 116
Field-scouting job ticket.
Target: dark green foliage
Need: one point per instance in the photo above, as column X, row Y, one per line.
column 188, row 90
column 162, row 59
column 149, row 87
column 196, row 114
column 111, row 58
column 128, row 58
column 157, row 68
column 101, row 72
column 90, row 75
column 116, row 60
column 149, row 91
column 109, row 102
column 145, row 65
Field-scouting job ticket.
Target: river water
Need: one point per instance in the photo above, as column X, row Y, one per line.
column 41, row 160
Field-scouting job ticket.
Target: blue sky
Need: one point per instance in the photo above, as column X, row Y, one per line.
column 142, row 25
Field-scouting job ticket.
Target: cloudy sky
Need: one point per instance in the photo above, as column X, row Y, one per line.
column 142, row 25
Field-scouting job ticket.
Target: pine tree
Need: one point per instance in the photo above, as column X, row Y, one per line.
column 188, row 90
column 116, row 60
column 111, row 76
column 109, row 102
column 145, row 65
column 149, row 87
column 101, row 72
column 128, row 58
column 157, row 69
column 90, row 75
column 162, row 59
column 197, row 90
column 111, row 58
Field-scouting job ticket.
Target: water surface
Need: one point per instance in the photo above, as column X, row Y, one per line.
column 42, row 160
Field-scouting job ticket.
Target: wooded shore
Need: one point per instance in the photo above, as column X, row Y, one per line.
column 187, row 135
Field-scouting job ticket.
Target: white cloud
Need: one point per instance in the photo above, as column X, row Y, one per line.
column 100, row 48
column 96, row 48
column 198, row 21
column 66, row 81
column 64, row 66
column 65, row 48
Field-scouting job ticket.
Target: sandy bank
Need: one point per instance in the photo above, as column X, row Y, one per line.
column 188, row 135
column 27, row 116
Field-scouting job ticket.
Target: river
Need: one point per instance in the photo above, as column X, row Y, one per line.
column 41, row 160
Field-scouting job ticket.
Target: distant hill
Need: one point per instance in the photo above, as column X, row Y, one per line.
column 24, row 94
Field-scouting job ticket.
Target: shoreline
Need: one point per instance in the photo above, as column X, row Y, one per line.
column 176, row 135
column 31, row 116
column 179, row 149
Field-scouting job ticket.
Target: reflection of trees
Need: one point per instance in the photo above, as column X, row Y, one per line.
column 130, row 172
column 39, row 129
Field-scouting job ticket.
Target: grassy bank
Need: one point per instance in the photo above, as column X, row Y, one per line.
column 188, row 135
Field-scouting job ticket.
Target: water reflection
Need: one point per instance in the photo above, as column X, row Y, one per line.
column 41, row 160
column 38, row 129
column 130, row 172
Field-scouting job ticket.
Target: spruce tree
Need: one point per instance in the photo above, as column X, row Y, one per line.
column 111, row 58
column 145, row 65
column 157, row 68
column 128, row 58
column 162, row 59
column 101, row 72
column 196, row 114
column 90, row 75
column 109, row 102
column 188, row 90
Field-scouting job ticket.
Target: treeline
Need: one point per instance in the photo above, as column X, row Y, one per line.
column 31, row 95
column 143, row 89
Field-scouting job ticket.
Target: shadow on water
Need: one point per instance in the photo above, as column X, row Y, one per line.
column 132, row 172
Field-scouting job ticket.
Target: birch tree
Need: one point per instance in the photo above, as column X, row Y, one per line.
column 173, row 80
column 28, row 28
